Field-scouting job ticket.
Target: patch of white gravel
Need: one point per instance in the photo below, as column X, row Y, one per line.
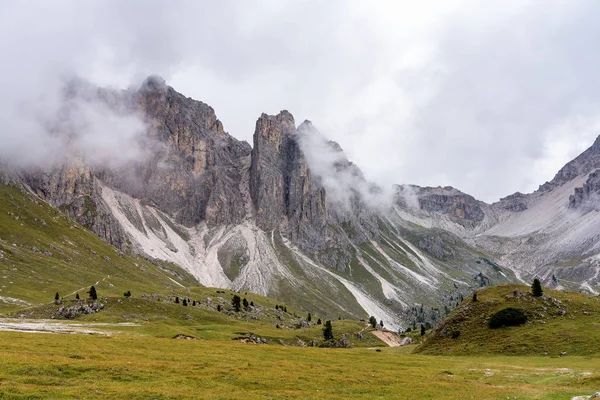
column 52, row 326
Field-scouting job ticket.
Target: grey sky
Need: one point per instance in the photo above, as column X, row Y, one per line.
column 489, row 97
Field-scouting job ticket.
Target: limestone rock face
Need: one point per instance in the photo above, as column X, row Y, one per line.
column 74, row 189
column 285, row 195
column 196, row 168
column 460, row 207
column 515, row 202
column 267, row 171
column 588, row 196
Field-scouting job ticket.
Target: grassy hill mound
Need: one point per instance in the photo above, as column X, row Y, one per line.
column 201, row 313
column 557, row 323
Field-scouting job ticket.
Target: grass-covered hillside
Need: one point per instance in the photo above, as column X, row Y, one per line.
column 557, row 323
column 200, row 313
column 43, row 252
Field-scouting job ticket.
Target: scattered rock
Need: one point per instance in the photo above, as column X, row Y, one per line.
column 406, row 341
column 78, row 310
column 184, row 337
column 251, row 338
column 302, row 324
column 341, row 343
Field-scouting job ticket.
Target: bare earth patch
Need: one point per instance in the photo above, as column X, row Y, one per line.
column 52, row 326
column 390, row 338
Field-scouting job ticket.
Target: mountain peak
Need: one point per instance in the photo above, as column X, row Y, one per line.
column 154, row 83
column 583, row 164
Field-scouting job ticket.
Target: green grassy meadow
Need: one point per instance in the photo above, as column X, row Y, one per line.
column 44, row 366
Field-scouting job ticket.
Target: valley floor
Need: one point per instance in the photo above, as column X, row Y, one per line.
column 35, row 365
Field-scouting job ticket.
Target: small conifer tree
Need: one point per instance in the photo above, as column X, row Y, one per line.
column 422, row 330
column 56, row 296
column 373, row 321
column 245, row 303
column 77, row 296
column 319, row 321
column 474, row 296
column 92, row 293
column 309, row 318
column 328, row 331
column 219, row 307
column 184, row 302
column 252, row 303
column 536, row 288
column 381, row 323
column 194, row 303
column 127, row 293
column 235, row 302
column 176, row 299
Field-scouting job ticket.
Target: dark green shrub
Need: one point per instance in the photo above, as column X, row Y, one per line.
column 507, row 317
column 454, row 334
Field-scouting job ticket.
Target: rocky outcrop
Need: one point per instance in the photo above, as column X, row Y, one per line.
column 516, row 202
column 587, row 197
column 439, row 245
column 283, row 191
column 195, row 168
column 457, row 205
column 75, row 190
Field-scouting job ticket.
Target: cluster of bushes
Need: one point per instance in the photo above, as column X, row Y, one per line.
column 509, row 316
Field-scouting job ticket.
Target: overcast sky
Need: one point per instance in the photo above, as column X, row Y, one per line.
column 488, row 97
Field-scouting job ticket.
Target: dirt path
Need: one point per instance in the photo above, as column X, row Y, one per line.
column 83, row 288
column 390, row 338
